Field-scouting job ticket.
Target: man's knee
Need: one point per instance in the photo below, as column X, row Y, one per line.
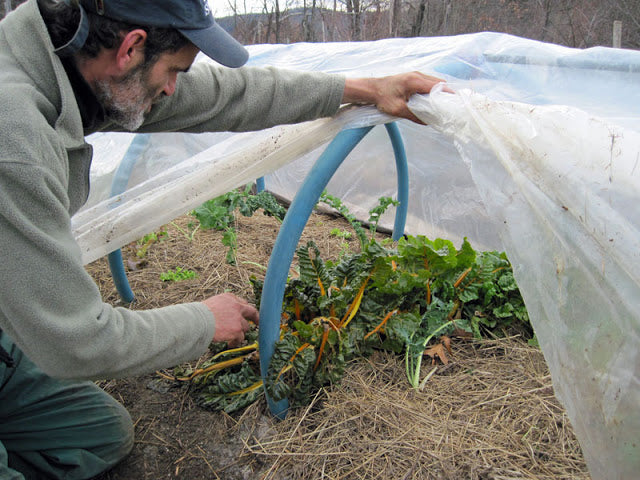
column 119, row 435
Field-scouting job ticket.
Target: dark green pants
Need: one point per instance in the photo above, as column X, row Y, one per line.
column 56, row 429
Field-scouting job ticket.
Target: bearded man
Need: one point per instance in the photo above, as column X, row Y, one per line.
column 69, row 69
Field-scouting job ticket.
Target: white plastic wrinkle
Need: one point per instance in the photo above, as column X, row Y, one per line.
column 566, row 189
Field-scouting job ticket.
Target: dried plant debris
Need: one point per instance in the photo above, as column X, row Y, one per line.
column 492, row 415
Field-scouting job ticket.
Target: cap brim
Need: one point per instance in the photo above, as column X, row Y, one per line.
column 217, row 44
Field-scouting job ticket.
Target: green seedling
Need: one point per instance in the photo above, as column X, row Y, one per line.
column 177, row 275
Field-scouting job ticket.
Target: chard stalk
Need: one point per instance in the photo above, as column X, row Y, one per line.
column 413, row 364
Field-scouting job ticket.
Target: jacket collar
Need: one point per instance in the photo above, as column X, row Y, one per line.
column 28, row 39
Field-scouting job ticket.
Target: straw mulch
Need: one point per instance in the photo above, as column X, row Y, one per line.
column 489, row 414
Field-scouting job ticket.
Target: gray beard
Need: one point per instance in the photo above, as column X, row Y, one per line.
column 123, row 101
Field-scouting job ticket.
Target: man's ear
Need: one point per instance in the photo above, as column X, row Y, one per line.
column 130, row 53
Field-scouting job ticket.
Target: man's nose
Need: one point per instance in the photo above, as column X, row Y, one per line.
column 170, row 86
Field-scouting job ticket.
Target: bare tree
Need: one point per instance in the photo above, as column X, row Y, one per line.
column 545, row 6
column 419, row 18
column 355, row 12
column 308, row 21
column 394, row 17
column 277, row 20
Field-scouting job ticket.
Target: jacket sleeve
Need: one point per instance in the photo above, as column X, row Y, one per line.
column 210, row 98
column 51, row 307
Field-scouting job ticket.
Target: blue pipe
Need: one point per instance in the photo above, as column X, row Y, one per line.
column 120, row 280
column 402, row 172
column 291, row 230
column 119, row 185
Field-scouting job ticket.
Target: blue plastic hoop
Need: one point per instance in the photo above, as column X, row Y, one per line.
column 291, row 230
column 119, row 185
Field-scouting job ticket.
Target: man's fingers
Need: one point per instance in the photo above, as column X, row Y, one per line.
column 251, row 314
column 413, row 118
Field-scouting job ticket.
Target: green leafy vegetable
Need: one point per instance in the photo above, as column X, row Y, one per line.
column 177, row 275
column 142, row 245
column 219, row 214
column 392, row 297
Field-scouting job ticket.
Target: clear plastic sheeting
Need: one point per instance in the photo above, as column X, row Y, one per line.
column 564, row 189
column 238, row 160
column 538, row 153
column 444, row 199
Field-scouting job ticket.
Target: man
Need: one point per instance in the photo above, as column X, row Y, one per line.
column 68, row 70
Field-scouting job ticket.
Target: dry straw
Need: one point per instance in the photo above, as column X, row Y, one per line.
column 489, row 414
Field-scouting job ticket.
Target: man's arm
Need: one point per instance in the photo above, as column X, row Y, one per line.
column 209, row 98
column 50, row 306
column 212, row 99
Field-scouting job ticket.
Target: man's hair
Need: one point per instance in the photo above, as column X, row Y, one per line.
column 62, row 22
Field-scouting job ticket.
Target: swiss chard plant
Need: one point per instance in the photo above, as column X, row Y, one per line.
column 389, row 296
column 220, row 213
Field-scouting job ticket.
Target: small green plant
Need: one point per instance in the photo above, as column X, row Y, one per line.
column 374, row 215
column 190, row 232
column 341, row 208
column 177, row 275
column 219, row 213
column 230, row 240
column 345, row 248
column 149, row 239
column 336, row 232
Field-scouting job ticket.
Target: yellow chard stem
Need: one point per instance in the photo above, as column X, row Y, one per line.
column 353, row 308
column 246, row 348
column 461, row 277
column 382, row 324
column 250, row 388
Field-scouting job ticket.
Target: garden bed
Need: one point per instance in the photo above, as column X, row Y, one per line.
column 490, row 413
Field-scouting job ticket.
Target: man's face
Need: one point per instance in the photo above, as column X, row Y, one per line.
column 128, row 98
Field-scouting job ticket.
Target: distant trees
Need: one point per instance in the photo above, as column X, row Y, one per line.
column 574, row 23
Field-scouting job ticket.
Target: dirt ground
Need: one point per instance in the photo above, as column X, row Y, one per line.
column 489, row 414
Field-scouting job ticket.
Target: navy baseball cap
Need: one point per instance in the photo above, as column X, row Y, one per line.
column 192, row 18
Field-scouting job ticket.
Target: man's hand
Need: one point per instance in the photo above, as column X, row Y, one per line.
column 389, row 94
column 232, row 315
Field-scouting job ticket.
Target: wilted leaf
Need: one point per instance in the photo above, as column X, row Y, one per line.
column 437, row 351
column 446, row 341
column 137, row 264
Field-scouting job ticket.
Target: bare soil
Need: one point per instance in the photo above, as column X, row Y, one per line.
column 489, row 414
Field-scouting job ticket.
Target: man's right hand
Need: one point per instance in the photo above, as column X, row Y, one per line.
column 232, row 315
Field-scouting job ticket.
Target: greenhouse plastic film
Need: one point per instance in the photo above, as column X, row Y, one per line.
column 565, row 188
column 232, row 163
column 537, row 153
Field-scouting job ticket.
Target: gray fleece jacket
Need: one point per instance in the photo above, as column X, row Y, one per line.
column 49, row 305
